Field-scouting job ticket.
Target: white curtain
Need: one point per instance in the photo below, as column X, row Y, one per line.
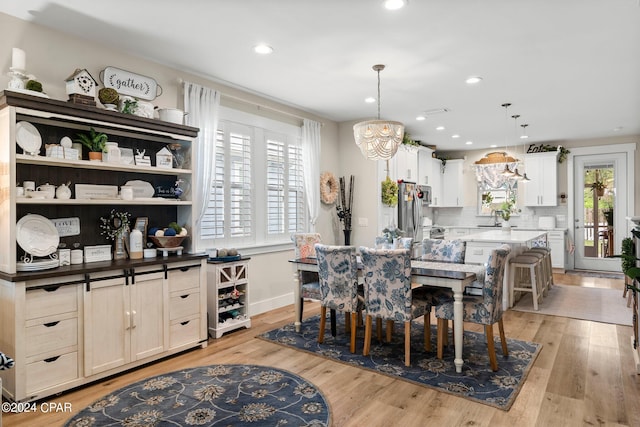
column 311, row 165
column 202, row 106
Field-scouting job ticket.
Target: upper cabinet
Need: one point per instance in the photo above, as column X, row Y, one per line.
column 49, row 122
column 542, row 170
column 452, row 194
column 406, row 160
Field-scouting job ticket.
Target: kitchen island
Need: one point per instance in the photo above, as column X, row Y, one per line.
column 480, row 245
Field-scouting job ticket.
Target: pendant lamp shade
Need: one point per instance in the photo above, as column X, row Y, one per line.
column 378, row 139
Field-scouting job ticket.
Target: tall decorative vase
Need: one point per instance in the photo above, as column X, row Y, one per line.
column 119, row 249
column 347, row 237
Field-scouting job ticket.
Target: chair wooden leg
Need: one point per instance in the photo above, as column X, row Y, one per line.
column 445, row 337
column 488, row 332
column 323, row 323
column 332, row 314
column 427, row 331
column 503, row 339
column 379, row 328
column 389, row 330
column 347, row 322
column 407, row 343
column 301, row 309
column 442, row 331
column 367, row 335
column 353, row 331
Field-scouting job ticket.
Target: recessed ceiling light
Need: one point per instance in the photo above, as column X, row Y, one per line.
column 617, row 129
column 493, row 145
column 440, row 128
column 455, row 135
column 263, row 49
column 469, row 143
column 421, row 118
column 370, row 100
column 473, row 80
column 394, row 4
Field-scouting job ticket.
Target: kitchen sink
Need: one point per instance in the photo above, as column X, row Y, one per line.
column 493, row 226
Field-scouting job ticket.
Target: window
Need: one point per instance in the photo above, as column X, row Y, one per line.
column 257, row 195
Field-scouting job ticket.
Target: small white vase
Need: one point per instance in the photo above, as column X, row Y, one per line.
column 506, row 226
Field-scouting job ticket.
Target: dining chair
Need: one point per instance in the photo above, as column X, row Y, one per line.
column 304, row 244
column 338, row 274
column 485, row 309
column 388, row 294
column 443, row 250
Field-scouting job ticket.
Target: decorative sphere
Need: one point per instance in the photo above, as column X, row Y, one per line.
column 152, row 231
column 170, row 232
column 159, row 233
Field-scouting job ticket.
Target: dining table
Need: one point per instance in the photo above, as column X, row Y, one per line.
column 454, row 276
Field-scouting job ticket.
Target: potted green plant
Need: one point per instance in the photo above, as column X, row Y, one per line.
column 599, row 187
column 95, row 143
column 389, row 192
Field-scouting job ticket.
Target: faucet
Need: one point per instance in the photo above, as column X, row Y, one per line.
column 496, row 213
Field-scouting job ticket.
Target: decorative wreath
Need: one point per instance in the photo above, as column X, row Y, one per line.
column 115, row 224
column 328, row 188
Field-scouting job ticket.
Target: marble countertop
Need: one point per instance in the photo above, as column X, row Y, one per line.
column 500, row 236
column 478, row 227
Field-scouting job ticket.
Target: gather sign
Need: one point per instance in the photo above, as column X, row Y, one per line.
column 132, row 84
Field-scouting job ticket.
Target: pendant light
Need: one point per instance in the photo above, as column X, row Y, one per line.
column 516, row 174
column 506, row 172
column 378, row 139
column 525, row 178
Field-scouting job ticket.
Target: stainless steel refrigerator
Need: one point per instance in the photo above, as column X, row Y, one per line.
column 412, row 199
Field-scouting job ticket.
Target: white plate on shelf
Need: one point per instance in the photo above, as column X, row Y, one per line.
column 37, row 235
column 28, row 138
column 141, row 189
column 37, row 264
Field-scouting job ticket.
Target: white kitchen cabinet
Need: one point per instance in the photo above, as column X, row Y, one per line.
column 452, row 233
column 124, row 320
column 542, row 170
column 452, row 191
column 228, row 296
column 556, row 240
column 425, row 166
column 406, row 160
column 435, row 181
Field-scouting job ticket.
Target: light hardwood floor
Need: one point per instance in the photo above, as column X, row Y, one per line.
column 584, row 376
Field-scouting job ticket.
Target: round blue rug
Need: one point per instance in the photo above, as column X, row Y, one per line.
column 217, row 395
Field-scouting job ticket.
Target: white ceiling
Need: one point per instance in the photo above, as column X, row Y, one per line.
column 570, row 68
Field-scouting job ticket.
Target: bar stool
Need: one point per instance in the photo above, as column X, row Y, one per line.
column 519, row 266
column 547, row 267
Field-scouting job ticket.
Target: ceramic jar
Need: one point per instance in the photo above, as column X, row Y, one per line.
column 63, row 192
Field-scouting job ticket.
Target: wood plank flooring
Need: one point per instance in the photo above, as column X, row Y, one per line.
column 584, row 376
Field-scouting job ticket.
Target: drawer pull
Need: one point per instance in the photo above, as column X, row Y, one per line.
column 185, row 323
column 52, row 359
column 184, row 296
column 51, row 288
column 51, row 324
column 184, row 268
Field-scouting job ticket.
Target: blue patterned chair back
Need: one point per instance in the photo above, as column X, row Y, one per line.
column 493, row 285
column 444, row 250
column 338, row 273
column 304, row 244
column 387, row 282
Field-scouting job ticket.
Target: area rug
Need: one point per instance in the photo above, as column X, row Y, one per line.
column 217, row 395
column 576, row 302
column 599, row 274
column 476, row 382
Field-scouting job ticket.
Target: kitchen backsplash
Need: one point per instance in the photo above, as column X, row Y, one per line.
column 468, row 216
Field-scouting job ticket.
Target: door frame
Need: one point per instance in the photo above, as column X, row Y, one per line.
column 629, row 149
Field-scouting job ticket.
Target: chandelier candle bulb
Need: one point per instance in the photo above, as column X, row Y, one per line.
column 135, row 244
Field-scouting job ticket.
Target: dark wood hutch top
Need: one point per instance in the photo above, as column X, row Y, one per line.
column 18, row 99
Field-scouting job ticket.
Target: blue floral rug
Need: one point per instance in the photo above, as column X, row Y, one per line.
column 217, row 395
column 476, row 381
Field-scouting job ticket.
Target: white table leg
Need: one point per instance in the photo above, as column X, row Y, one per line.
column 296, row 298
column 458, row 328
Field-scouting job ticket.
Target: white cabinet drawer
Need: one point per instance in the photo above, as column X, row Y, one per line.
column 52, row 372
column 51, row 336
column 188, row 278
column 183, row 305
column 477, row 253
column 555, row 235
column 51, row 301
column 184, row 332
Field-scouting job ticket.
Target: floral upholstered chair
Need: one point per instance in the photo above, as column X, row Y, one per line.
column 5, row 362
column 338, row 273
column 388, row 295
column 485, row 309
column 309, row 284
column 443, row 250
